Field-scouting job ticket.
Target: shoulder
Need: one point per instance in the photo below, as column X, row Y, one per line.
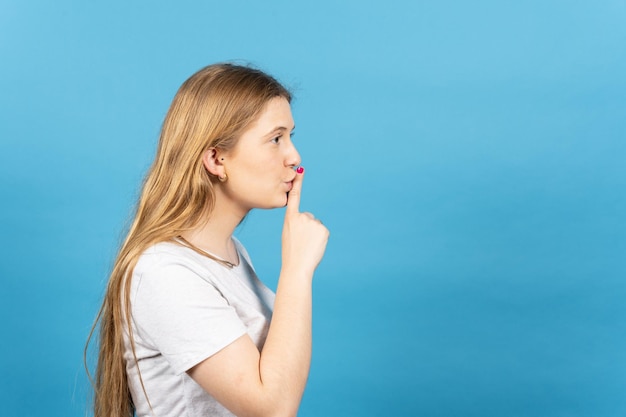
column 167, row 269
column 168, row 273
column 161, row 254
column 170, row 256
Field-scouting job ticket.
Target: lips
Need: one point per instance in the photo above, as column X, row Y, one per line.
column 289, row 182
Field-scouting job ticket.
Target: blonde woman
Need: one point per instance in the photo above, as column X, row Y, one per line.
column 186, row 327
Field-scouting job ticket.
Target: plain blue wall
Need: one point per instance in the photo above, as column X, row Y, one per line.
column 468, row 157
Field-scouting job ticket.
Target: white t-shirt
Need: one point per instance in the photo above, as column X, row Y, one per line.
column 186, row 307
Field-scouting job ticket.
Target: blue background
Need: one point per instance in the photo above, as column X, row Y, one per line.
column 468, row 158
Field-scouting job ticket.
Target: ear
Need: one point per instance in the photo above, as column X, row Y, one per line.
column 212, row 159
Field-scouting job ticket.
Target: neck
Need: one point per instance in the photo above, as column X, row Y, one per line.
column 214, row 235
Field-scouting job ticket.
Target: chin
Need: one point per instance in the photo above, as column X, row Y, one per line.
column 271, row 200
column 281, row 202
column 276, row 203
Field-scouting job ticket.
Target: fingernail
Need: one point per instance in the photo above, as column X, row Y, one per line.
column 300, row 170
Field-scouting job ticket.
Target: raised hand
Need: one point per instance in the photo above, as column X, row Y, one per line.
column 304, row 237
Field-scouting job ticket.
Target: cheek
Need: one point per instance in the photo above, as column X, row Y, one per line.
column 259, row 175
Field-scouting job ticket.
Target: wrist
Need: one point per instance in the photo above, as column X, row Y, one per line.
column 292, row 273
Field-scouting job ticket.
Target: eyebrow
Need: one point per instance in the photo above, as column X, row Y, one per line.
column 280, row 129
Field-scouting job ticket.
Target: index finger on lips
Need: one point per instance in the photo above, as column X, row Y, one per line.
column 293, row 198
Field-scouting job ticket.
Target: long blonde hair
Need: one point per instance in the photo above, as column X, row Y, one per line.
column 210, row 110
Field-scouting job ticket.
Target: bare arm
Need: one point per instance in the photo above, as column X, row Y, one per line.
column 271, row 382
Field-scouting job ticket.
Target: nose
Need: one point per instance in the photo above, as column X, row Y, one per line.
column 293, row 157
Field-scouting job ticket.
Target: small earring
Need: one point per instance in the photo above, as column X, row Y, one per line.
column 223, row 178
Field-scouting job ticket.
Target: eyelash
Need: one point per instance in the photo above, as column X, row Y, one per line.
column 277, row 138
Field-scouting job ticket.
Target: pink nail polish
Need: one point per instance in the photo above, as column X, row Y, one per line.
column 300, row 170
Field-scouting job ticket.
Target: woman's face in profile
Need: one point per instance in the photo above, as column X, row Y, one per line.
column 260, row 167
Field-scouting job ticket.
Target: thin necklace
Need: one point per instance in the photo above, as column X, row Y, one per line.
column 193, row 247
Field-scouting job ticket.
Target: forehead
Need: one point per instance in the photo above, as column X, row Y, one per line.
column 276, row 114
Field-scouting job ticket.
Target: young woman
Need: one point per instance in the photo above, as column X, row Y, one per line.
column 186, row 327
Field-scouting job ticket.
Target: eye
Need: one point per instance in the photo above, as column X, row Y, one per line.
column 275, row 140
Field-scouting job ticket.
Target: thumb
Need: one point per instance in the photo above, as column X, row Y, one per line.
column 293, row 198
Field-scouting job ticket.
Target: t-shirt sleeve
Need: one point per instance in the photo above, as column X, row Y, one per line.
column 185, row 317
